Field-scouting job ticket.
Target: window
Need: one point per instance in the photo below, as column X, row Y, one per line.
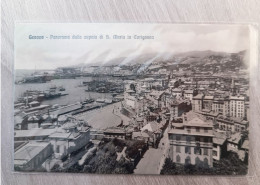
column 197, row 151
column 197, row 161
column 206, row 162
column 206, row 130
column 197, row 129
column 215, row 153
column 188, row 139
column 58, row 149
column 178, row 138
column 178, row 149
column 187, row 160
column 205, row 151
column 178, row 159
column 187, row 149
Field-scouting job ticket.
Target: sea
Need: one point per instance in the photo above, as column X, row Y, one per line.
column 75, row 93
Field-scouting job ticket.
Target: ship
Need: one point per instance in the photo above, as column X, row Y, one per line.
column 87, row 101
column 61, row 88
column 52, row 93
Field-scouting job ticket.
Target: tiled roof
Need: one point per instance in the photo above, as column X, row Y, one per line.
column 245, row 145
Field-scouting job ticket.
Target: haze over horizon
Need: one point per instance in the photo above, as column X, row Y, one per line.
column 169, row 40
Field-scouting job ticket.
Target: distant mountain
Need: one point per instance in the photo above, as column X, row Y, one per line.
column 201, row 54
column 190, row 57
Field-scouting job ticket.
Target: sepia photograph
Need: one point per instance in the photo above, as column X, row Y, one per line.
column 141, row 99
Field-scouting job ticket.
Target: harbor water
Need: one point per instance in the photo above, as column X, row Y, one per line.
column 75, row 93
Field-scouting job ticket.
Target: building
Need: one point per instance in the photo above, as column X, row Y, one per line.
column 67, row 109
column 115, row 132
column 33, row 134
column 207, row 102
column 31, row 156
column 231, row 124
column 69, row 138
column 237, row 106
column 218, row 105
column 178, row 107
column 154, row 130
column 177, row 92
column 245, row 148
column 191, row 141
column 158, row 98
column 141, row 136
column 197, row 102
column 188, row 94
column 234, row 142
column 219, row 145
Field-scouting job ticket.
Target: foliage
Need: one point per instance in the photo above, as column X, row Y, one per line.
column 231, row 165
column 104, row 160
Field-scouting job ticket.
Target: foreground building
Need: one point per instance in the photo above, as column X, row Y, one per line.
column 30, row 156
column 191, row 141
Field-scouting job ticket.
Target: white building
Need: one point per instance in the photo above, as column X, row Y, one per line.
column 237, row 106
column 188, row 94
column 191, row 141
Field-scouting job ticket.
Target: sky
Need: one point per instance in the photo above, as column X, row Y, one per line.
column 168, row 39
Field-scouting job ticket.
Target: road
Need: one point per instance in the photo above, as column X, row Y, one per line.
column 150, row 162
column 153, row 159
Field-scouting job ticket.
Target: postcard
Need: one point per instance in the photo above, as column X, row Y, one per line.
column 128, row 98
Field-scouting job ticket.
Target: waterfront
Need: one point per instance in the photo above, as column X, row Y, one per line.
column 108, row 118
column 75, row 93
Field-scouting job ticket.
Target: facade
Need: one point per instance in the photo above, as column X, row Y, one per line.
column 231, row 124
column 191, row 142
column 130, row 101
column 234, row 142
column 219, row 145
column 207, row 102
column 221, row 106
column 237, row 106
column 188, row 94
column 197, row 102
column 233, row 106
column 154, row 131
column 115, row 132
column 178, row 107
column 177, row 92
column 71, row 138
column 31, row 156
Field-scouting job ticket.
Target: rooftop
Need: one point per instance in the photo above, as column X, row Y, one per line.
column 242, row 98
column 67, row 109
column 151, row 127
column 198, row 122
column 185, row 132
column 140, row 134
column 235, row 138
column 33, row 132
column 208, row 97
column 176, row 90
column 115, row 130
column 219, row 138
column 198, row 97
column 245, row 145
column 193, row 119
column 188, row 91
column 28, row 152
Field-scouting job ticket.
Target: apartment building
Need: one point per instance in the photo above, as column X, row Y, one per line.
column 237, row 106
column 191, row 141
